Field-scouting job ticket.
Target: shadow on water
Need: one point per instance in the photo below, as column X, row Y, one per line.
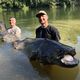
column 54, row 72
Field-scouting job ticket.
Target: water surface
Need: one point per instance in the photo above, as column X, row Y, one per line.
column 15, row 65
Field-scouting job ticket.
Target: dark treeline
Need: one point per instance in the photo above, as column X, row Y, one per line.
column 18, row 4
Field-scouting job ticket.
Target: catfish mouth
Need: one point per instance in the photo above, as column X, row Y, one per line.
column 69, row 61
column 67, row 58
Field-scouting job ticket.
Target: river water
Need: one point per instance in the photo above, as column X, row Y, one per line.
column 15, row 65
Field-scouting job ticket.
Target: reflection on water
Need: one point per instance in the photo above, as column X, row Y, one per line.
column 14, row 65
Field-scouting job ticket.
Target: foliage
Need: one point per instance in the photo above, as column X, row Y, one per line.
column 18, row 4
column 10, row 4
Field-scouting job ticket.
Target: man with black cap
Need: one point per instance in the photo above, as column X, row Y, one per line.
column 46, row 30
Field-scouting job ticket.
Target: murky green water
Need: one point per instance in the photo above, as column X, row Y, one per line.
column 15, row 65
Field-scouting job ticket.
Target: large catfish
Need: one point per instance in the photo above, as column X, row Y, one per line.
column 48, row 51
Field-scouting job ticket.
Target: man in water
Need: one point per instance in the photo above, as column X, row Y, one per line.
column 45, row 30
column 15, row 30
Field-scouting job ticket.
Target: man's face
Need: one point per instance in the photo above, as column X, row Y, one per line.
column 12, row 22
column 43, row 19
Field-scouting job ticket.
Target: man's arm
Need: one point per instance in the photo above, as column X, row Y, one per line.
column 55, row 34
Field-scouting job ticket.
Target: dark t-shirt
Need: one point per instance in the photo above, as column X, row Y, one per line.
column 49, row 32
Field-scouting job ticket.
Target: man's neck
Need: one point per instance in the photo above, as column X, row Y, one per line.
column 13, row 26
column 45, row 25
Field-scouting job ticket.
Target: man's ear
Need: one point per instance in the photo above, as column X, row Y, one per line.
column 47, row 17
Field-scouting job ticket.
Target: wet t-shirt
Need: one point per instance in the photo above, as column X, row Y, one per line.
column 49, row 32
column 16, row 31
